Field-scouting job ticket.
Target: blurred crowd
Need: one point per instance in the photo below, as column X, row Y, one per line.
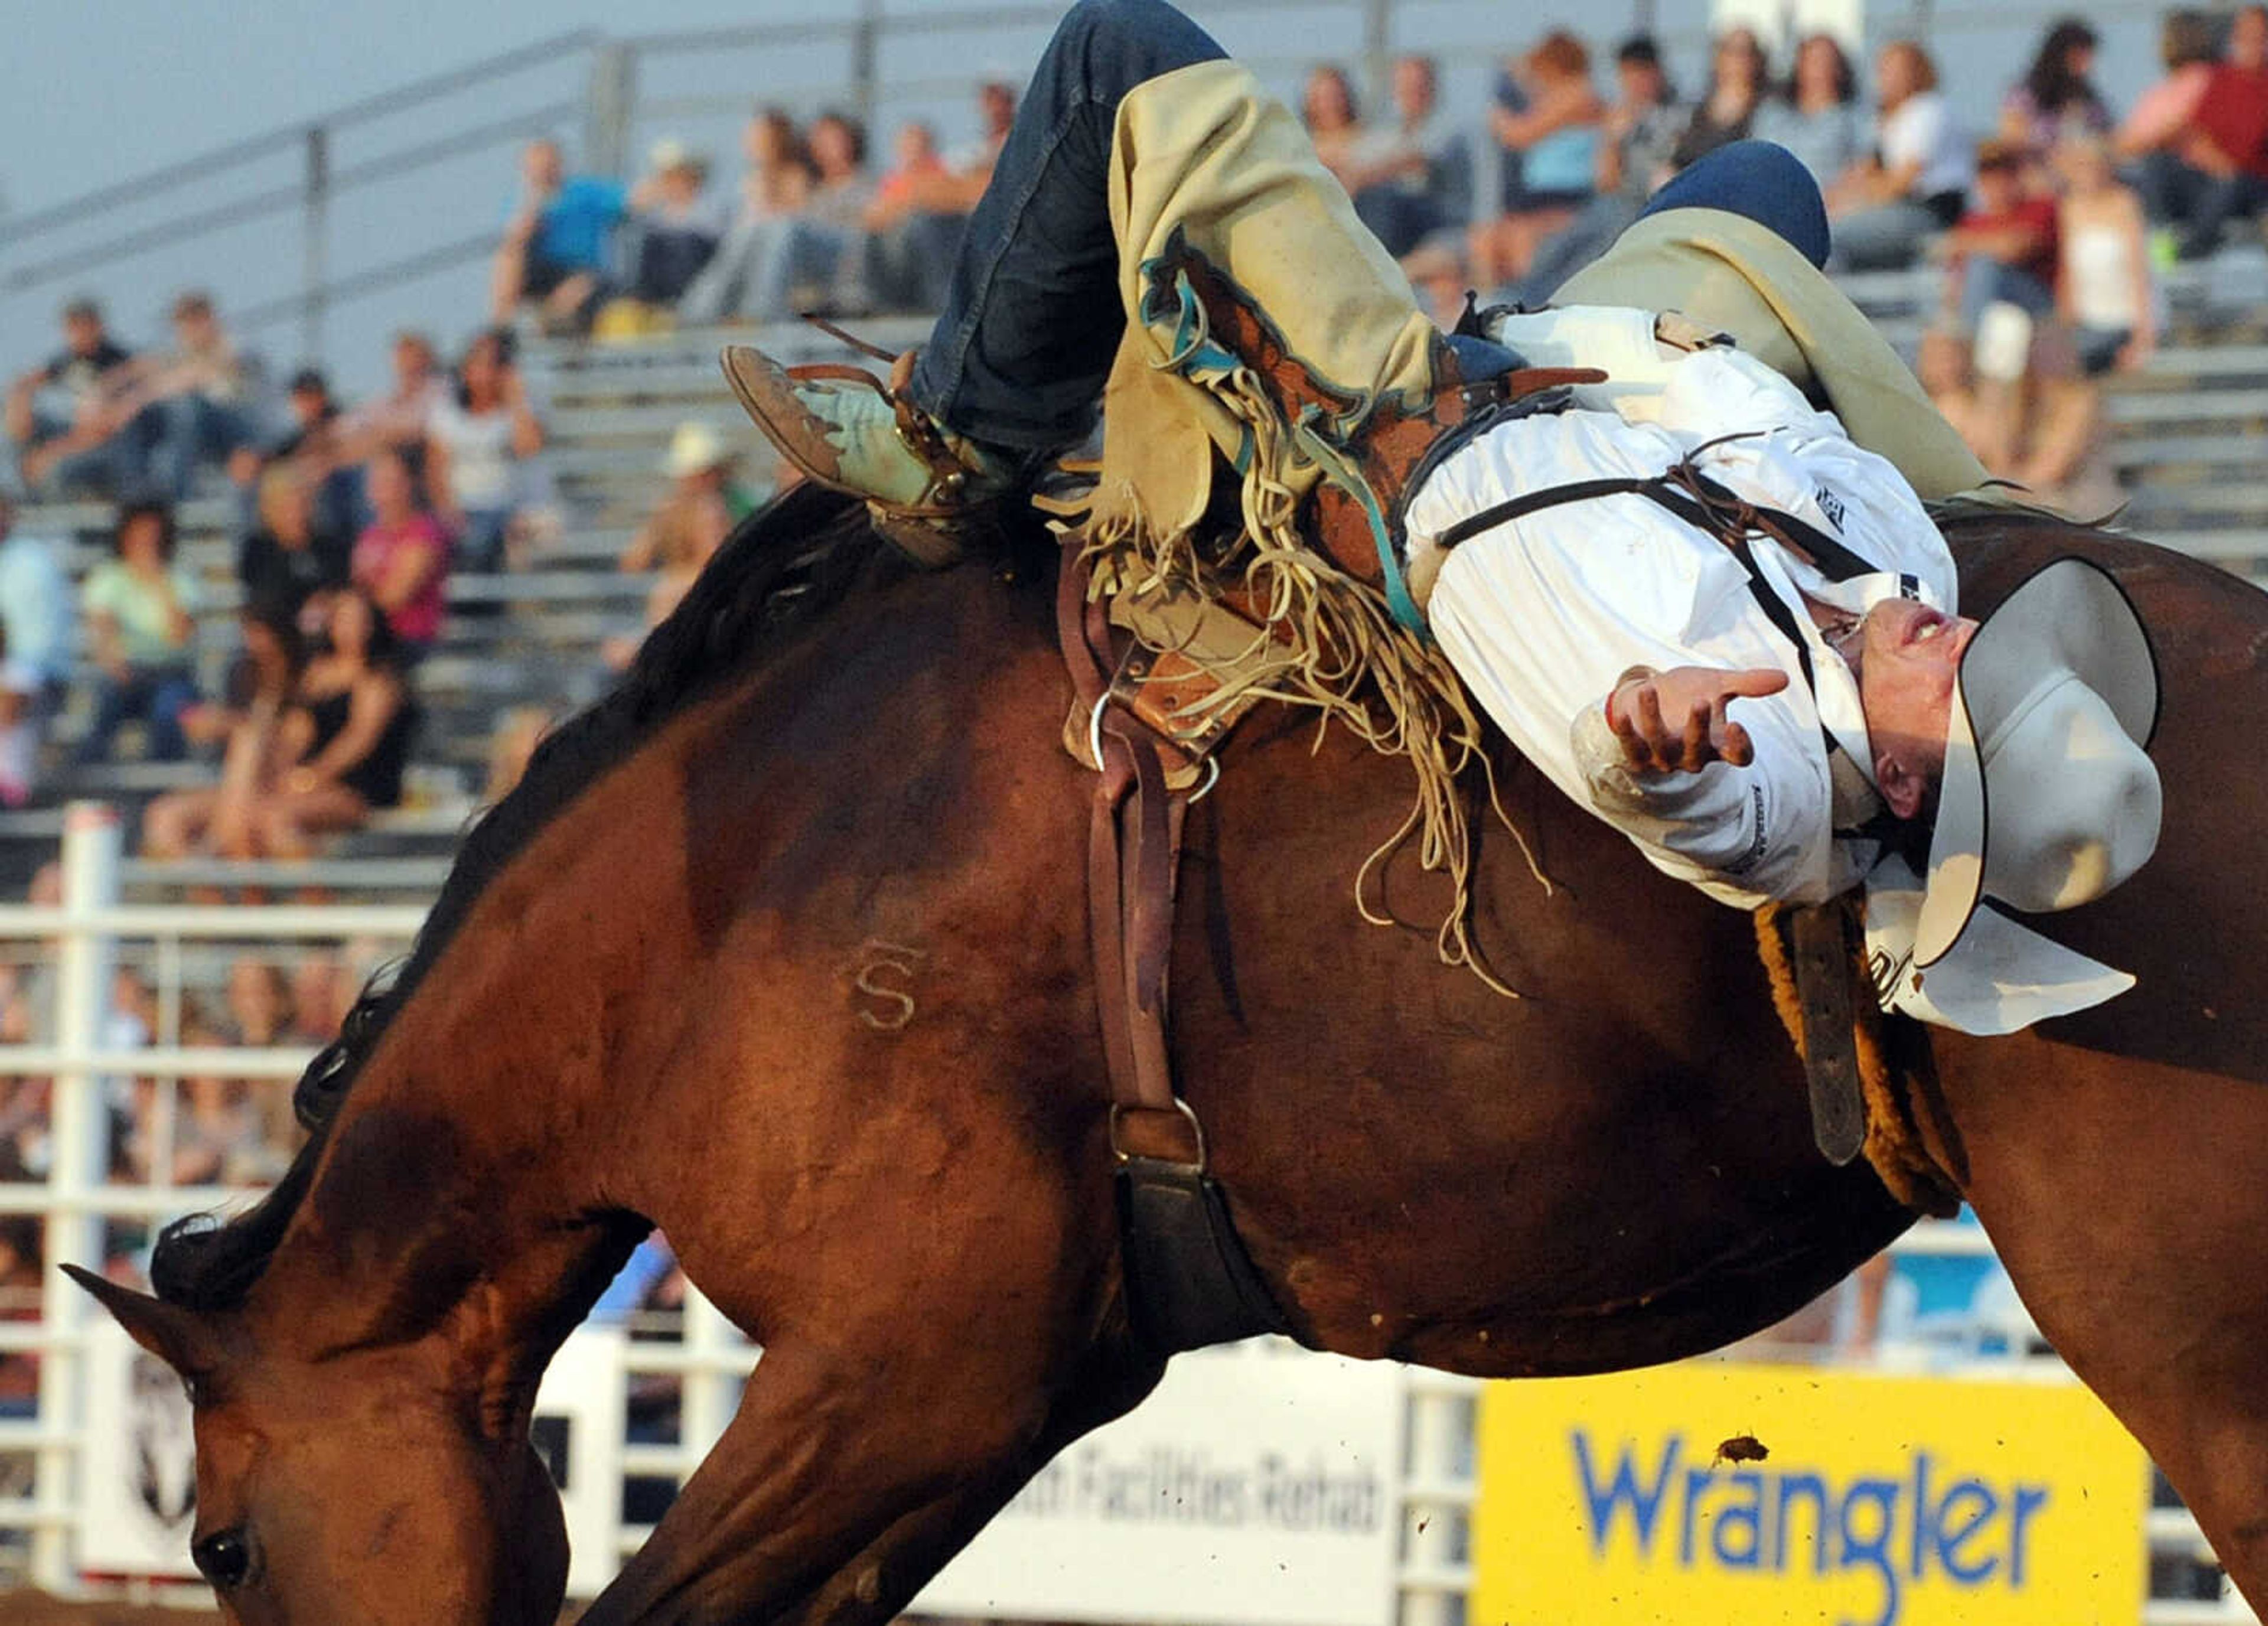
column 350, row 524
column 2050, row 227
column 814, row 223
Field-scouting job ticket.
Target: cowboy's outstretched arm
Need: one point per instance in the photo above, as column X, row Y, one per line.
column 1753, row 809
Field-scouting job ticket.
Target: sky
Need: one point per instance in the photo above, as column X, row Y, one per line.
column 97, row 91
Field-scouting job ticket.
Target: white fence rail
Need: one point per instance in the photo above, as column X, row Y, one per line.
column 703, row 1355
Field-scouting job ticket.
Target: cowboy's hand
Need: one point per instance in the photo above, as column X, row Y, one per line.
column 1674, row 722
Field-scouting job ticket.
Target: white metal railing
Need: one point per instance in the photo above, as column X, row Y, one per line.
column 77, row 1195
column 706, row 1358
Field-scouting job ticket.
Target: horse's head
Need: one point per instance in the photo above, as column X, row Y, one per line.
column 354, row 1486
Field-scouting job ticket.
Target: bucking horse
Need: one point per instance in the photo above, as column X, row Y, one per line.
column 646, row 997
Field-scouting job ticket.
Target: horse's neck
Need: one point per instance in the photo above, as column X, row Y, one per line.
column 458, row 1194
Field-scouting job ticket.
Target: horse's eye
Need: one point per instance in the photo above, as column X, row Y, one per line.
column 224, row 1557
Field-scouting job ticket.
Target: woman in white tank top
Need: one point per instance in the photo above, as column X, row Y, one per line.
column 2107, row 292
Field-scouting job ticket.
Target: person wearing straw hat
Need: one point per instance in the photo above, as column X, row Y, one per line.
column 705, row 503
column 1697, row 587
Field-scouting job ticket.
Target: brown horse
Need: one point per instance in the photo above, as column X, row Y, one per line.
column 783, row 947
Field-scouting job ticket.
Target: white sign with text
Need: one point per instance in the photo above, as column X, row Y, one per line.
column 1257, row 1487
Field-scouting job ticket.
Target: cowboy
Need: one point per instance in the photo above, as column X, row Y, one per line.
column 1714, row 613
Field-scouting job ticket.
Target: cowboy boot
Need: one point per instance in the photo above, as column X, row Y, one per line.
column 926, row 488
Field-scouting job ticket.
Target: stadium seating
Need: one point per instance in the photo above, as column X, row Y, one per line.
column 2184, row 437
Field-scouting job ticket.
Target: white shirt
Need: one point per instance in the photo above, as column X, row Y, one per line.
column 1541, row 616
column 1920, row 130
column 483, row 466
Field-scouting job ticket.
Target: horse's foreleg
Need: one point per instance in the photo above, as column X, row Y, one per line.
column 827, row 1451
column 843, row 1484
column 878, row 1583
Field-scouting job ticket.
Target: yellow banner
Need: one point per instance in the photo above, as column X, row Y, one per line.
column 1626, row 1501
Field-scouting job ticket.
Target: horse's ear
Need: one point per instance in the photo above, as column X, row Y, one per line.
column 178, row 1337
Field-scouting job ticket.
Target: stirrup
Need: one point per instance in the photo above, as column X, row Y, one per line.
column 936, row 532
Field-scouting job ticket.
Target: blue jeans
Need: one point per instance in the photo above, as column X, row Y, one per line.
column 2196, row 205
column 158, row 695
column 1032, row 317
column 190, row 429
column 1986, row 282
column 116, row 469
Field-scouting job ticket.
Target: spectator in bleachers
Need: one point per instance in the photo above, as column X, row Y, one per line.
column 820, row 251
column 1413, row 182
column 20, row 1286
column 20, row 728
column 400, row 416
column 201, row 397
column 36, row 612
column 913, row 248
column 289, row 555
column 138, row 607
column 258, row 1005
column 90, row 447
column 1816, row 116
column 673, row 229
column 250, row 724
column 478, row 441
column 1916, row 182
column 315, row 445
column 2056, row 98
column 2105, row 289
column 2004, row 251
column 401, row 558
column 678, row 224
column 347, row 740
column 512, row 746
column 1739, row 76
column 216, row 1134
column 914, row 225
column 775, row 187
column 705, row 503
column 916, row 167
column 1555, row 139
column 2189, row 48
column 321, row 995
column 2213, row 167
column 1334, row 122
column 556, row 247
column 1642, row 129
column 972, row 165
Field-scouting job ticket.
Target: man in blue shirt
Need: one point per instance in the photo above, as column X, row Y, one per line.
column 557, row 246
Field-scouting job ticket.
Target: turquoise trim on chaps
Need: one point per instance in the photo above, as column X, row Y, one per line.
column 1344, row 474
column 1193, row 354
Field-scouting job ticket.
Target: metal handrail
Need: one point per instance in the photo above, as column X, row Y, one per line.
column 15, row 228
column 611, row 104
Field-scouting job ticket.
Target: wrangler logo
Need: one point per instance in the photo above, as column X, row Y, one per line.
column 1921, row 1527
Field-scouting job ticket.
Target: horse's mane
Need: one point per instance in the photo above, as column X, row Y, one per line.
column 782, row 567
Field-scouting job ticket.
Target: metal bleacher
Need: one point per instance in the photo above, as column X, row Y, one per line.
column 2186, row 437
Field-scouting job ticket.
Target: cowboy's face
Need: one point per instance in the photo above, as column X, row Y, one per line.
column 1909, row 660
